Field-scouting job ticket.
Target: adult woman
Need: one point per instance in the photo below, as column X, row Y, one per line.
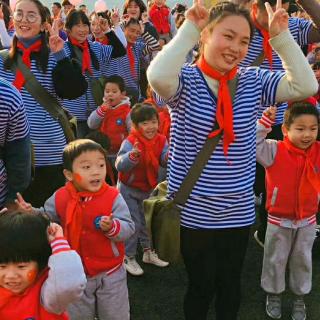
column 46, row 134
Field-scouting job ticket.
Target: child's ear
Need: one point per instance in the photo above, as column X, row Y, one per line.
column 68, row 174
column 284, row 130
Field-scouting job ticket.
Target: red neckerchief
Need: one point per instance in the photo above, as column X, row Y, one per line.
column 151, row 161
column 267, row 49
column 86, row 58
column 224, row 112
column 310, row 178
column 131, row 58
column 19, row 81
column 104, row 40
column 73, row 227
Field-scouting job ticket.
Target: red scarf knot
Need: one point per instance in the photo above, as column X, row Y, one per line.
column 224, row 112
column 86, row 58
column 26, row 53
column 267, row 49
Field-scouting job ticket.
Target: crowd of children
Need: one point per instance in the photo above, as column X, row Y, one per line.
column 147, row 86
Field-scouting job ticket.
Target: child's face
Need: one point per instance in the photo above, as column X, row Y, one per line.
column 227, row 44
column 303, row 131
column 88, row 171
column 132, row 32
column 149, row 128
column 18, row 276
column 112, row 94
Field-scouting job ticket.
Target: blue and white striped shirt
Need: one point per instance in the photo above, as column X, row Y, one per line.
column 299, row 28
column 222, row 196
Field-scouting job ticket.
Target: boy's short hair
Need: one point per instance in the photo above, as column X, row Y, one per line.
column 117, row 80
column 23, row 238
column 143, row 112
column 75, row 148
column 297, row 109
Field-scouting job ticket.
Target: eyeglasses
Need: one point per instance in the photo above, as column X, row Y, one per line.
column 30, row 17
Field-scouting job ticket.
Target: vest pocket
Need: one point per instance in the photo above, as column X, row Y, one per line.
column 274, row 196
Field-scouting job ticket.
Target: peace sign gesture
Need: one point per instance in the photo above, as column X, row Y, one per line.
column 278, row 19
column 198, row 14
column 55, row 42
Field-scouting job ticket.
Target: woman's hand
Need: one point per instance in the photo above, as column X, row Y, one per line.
column 56, row 44
column 22, row 205
column 115, row 17
column 198, row 14
column 278, row 19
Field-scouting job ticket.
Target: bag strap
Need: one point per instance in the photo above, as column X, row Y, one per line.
column 202, row 158
column 42, row 96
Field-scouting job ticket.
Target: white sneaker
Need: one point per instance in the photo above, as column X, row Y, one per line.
column 150, row 256
column 132, row 266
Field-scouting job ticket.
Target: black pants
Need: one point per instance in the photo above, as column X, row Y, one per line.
column 260, row 186
column 45, row 182
column 213, row 260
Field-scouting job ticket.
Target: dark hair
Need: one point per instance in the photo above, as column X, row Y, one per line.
column 117, row 80
column 226, row 9
column 66, row 3
column 23, row 238
column 143, row 112
column 139, row 3
column 261, row 3
column 48, row 15
column 132, row 21
column 75, row 17
column 100, row 138
column 75, row 148
column 57, row 4
column 315, row 66
column 297, row 109
column 42, row 56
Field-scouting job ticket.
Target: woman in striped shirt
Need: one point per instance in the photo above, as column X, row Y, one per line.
column 30, row 42
column 215, row 220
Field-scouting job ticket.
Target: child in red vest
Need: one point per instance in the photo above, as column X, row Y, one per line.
column 39, row 274
column 293, row 185
column 160, row 16
column 96, row 222
column 138, row 163
column 113, row 116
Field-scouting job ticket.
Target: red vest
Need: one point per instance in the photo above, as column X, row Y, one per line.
column 283, row 180
column 98, row 253
column 159, row 17
column 137, row 177
column 114, row 126
column 28, row 305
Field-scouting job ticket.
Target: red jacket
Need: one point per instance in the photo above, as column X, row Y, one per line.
column 27, row 305
column 284, row 178
column 138, row 173
column 114, row 126
column 98, row 252
column 159, row 16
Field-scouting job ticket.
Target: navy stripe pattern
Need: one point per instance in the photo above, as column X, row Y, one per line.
column 45, row 132
column 14, row 125
column 84, row 105
column 224, row 181
column 299, row 29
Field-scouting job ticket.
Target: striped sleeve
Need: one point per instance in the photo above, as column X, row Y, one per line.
column 151, row 44
column 59, row 244
column 304, row 27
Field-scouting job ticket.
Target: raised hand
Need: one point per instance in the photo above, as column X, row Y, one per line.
column 278, row 19
column 115, row 17
column 106, row 223
column 56, row 44
column 198, row 14
column 145, row 17
column 23, row 206
column 270, row 112
column 142, row 26
column 54, row 231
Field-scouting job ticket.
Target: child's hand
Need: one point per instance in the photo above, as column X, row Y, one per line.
column 54, row 231
column 105, row 105
column 23, row 206
column 136, row 152
column 198, row 14
column 270, row 112
column 106, row 223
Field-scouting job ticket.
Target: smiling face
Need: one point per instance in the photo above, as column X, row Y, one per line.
column 133, row 10
column 149, row 128
column 88, row 171
column 79, row 32
column 18, row 276
column 226, row 44
column 99, row 26
column 27, row 20
column 303, row 131
column 132, row 32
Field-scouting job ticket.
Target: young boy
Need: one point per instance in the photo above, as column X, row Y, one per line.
column 39, row 274
column 96, row 222
column 293, row 184
column 113, row 116
column 138, row 163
